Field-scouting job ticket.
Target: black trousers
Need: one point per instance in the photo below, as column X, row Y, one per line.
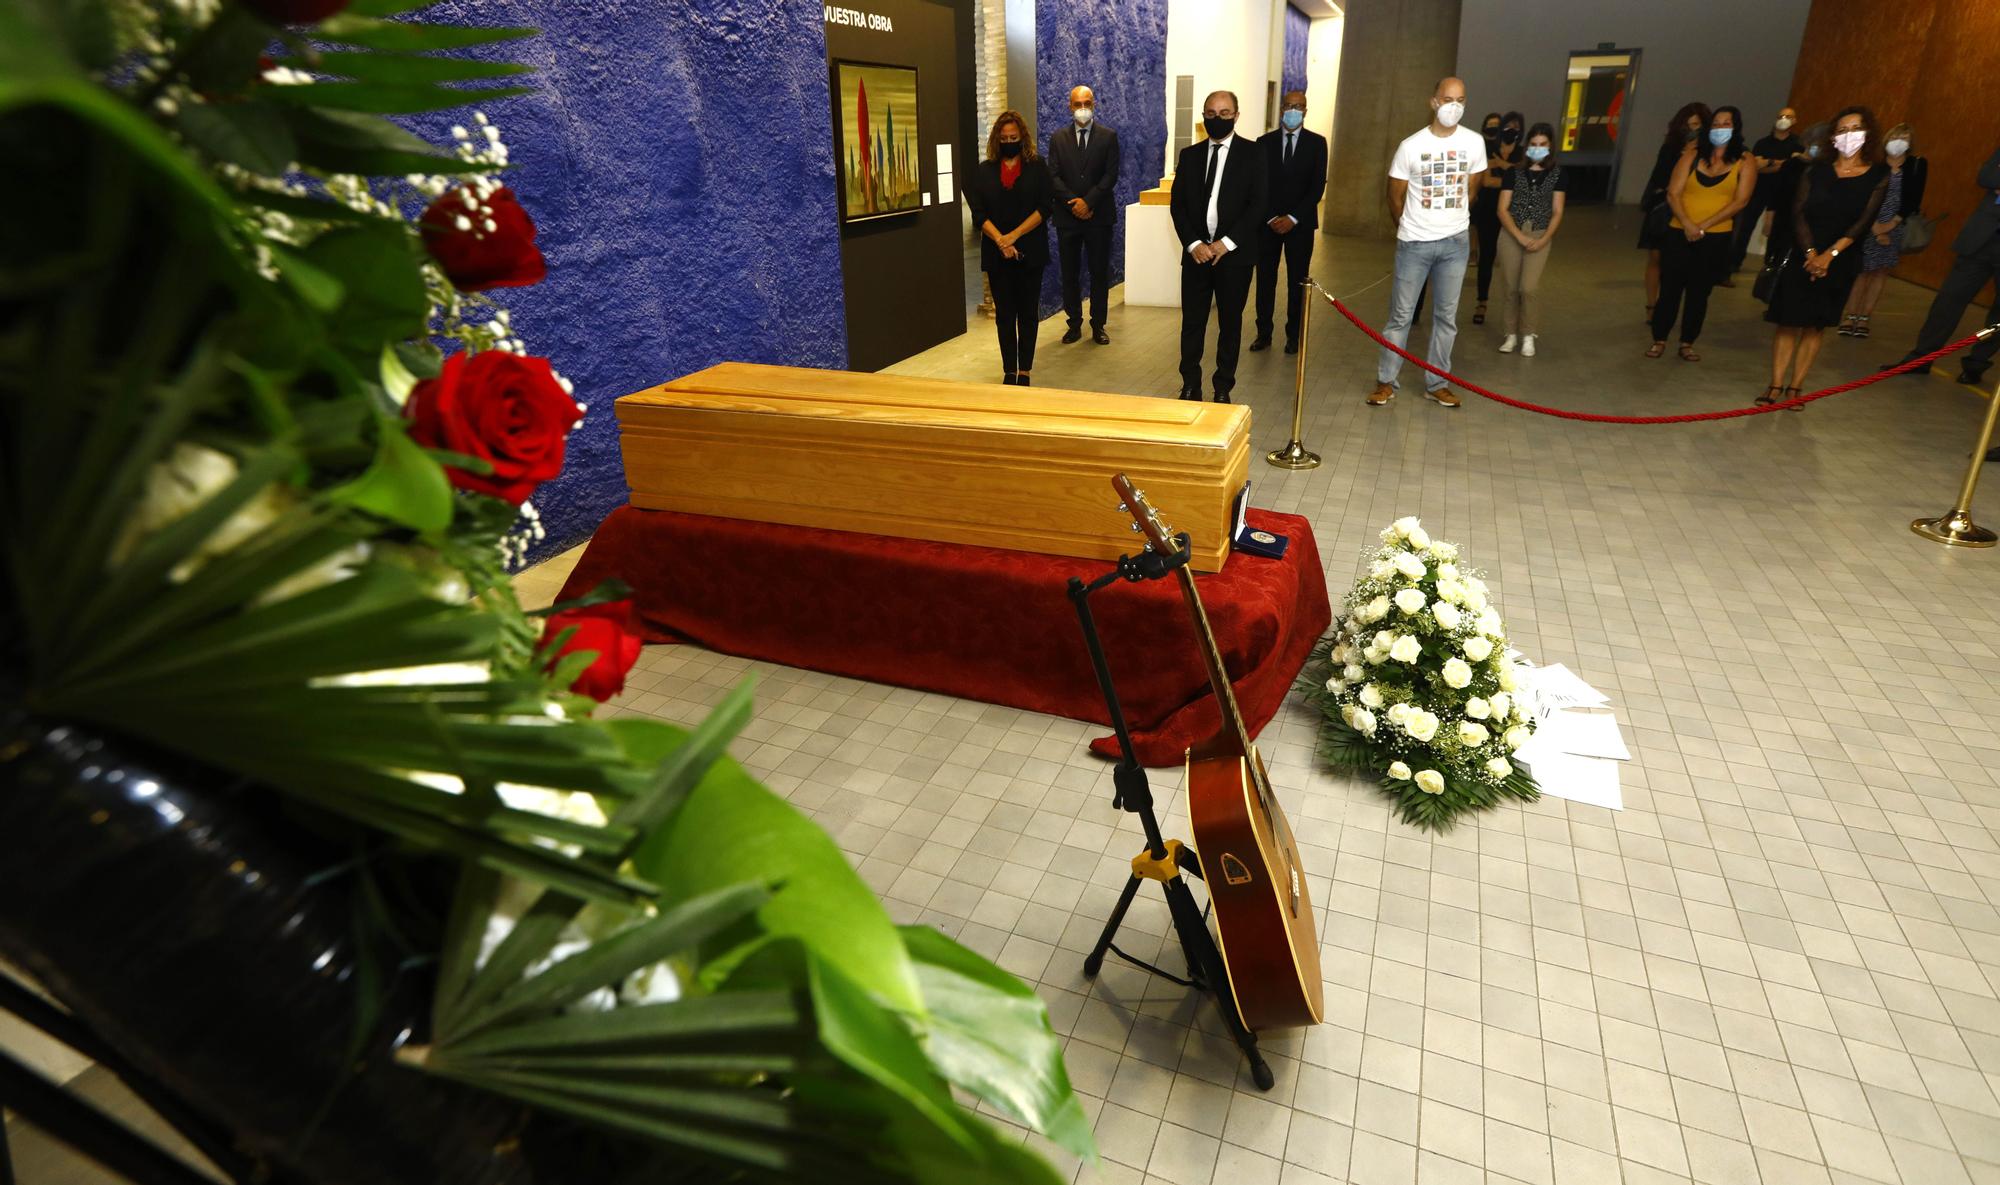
column 1967, row 276
column 1075, row 244
column 1487, row 226
column 1017, row 307
column 1688, row 272
column 1746, row 227
column 1229, row 288
column 1297, row 249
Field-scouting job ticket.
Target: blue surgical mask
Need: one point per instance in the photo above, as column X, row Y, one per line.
column 1292, row 120
column 1720, row 136
column 1538, row 152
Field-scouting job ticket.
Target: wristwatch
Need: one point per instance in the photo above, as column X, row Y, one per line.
column 1833, row 253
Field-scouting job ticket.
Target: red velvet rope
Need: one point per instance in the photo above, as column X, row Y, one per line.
column 1686, row 418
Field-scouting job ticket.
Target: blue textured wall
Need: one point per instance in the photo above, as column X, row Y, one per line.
column 1117, row 48
column 678, row 162
column 1298, row 27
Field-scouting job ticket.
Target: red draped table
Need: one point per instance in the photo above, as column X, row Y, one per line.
column 975, row 622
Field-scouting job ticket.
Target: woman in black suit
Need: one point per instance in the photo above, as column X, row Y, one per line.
column 1012, row 196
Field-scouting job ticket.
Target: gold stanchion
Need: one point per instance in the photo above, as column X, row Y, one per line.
column 1956, row 527
column 1294, row 454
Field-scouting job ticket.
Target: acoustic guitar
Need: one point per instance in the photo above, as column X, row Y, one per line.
column 1263, row 914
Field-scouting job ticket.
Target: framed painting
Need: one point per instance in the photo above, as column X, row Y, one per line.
column 877, row 154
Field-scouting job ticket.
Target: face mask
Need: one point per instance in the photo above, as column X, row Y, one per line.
column 1491, row 133
column 1849, row 143
column 1812, row 151
column 1217, row 127
column 1450, row 113
column 1538, row 152
column 1292, row 120
column 1010, row 148
column 1510, row 135
column 1083, row 116
column 1720, row 136
column 1693, row 132
column 1784, row 123
column 1898, row 147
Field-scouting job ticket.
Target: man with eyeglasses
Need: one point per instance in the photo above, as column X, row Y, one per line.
column 1978, row 248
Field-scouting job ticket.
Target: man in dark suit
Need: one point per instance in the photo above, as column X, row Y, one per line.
column 1220, row 188
column 1083, row 157
column 1978, row 248
column 1296, row 161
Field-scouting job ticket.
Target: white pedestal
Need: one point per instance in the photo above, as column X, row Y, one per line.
column 1152, row 257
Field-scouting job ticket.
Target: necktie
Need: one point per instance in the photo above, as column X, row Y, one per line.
column 1214, row 158
column 1291, row 139
column 1083, row 141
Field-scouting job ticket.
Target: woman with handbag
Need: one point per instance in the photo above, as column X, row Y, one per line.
column 1885, row 245
column 1706, row 193
column 1653, row 209
column 1839, row 200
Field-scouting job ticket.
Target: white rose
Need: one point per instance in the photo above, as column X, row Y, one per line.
column 1410, row 600
column 1514, row 738
column 1500, row 703
column 1500, row 767
column 1351, row 672
column 1335, row 685
column 1476, row 585
column 1475, row 600
column 1452, row 591
column 1430, row 781
column 1338, row 654
column 1419, row 539
column 1478, row 648
column 1447, row 571
column 1399, row 771
column 1374, row 657
column 1421, row 726
column 1371, row 696
column 1347, row 714
column 1383, row 640
column 1456, row 673
column 1472, row 735
column 1489, row 624
column 1519, row 712
column 1399, row 712
column 1364, row 722
column 1507, row 677
column 1477, row 708
column 1381, row 569
column 1444, row 551
column 1406, row 524
column 1407, row 649
column 1409, row 565
column 1377, row 609
column 1447, row 615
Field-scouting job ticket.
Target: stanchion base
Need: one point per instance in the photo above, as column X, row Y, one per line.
column 1293, row 456
column 1956, row 530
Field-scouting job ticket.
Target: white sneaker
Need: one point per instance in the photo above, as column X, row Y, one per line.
column 1507, row 344
column 1528, row 346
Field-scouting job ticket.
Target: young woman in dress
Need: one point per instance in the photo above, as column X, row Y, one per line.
column 1839, row 198
column 1884, row 245
column 1531, row 207
column 1706, row 193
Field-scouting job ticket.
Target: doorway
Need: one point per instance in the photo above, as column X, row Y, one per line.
column 1598, row 91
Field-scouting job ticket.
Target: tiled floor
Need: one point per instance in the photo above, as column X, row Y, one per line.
column 1779, row 963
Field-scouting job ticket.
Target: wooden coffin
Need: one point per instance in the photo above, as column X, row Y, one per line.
column 1027, row 469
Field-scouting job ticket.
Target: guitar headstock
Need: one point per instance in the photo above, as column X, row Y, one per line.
column 1145, row 520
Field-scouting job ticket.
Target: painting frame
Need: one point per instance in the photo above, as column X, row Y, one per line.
column 866, row 190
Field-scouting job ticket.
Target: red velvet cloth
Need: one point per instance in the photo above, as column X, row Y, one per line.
column 976, row 622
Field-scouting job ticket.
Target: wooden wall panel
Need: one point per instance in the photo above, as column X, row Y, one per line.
column 1926, row 62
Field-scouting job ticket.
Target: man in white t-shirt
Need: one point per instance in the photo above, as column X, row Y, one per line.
column 1432, row 181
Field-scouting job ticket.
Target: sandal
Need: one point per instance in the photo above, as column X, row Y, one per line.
column 1860, row 326
column 1656, row 349
column 1847, row 325
column 1768, row 397
column 1791, row 393
column 1688, row 354
column 1479, row 314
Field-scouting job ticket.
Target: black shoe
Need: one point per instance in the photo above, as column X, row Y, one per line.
column 1100, row 337
column 1971, row 378
column 1993, row 454
column 1222, row 397
column 1924, row 369
column 1021, row 380
column 1008, row 381
column 1072, row 335
column 1291, row 345
column 1263, row 342
column 1193, row 393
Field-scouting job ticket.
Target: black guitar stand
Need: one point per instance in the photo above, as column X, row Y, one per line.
column 1163, row 860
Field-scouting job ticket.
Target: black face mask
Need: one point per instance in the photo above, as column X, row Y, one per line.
column 1694, row 133
column 1493, row 133
column 1217, row 126
column 1510, row 135
column 1010, row 149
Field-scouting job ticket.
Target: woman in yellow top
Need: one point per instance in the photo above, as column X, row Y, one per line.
column 1707, row 190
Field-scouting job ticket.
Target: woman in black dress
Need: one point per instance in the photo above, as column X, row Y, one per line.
column 1503, row 153
column 1682, row 130
column 1012, row 195
column 1837, row 201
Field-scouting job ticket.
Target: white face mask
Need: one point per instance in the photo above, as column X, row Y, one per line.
column 1450, row 113
column 1849, row 143
column 1784, row 123
column 1083, row 116
column 1898, row 147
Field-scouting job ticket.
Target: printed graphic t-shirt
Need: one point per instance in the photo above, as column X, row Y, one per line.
column 1438, row 169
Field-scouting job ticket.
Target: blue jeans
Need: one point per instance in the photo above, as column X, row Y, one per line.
column 1442, row 263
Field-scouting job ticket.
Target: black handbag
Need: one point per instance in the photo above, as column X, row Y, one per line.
column 1767, row 278
column 1659, row 220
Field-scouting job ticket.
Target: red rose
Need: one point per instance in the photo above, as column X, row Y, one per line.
column 295, row 12
column 506, row 409
column 456, row 230
column 610, row 629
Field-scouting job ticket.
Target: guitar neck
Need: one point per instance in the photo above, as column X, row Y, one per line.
column 1218, row 674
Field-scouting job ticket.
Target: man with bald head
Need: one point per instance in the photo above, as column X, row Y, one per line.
column 1220, row 191
column 1296, row 160
column 1433, row 178
column 1083, row 158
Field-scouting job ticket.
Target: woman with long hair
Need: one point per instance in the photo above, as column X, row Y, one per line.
column 1531, row 207
column 1839, row 198
column 1012, row 195
column 1884, row 244
column 1707, row 190
column 1503, row 153
column 1681, row 132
